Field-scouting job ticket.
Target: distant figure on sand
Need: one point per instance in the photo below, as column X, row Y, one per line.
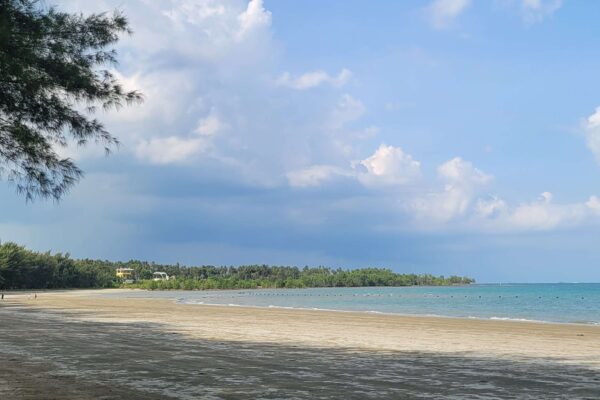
column 2, row 298
column 35, row 296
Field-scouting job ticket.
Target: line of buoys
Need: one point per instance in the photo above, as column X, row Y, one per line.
column 426, row 295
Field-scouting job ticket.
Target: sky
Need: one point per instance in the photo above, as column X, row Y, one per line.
column 445, row 137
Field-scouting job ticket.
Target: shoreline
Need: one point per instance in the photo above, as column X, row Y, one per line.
column 87, row 301
column 392, row 314
column 19, row 293
column 495, row 317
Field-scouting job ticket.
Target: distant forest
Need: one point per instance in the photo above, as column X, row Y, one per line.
column 21, row 268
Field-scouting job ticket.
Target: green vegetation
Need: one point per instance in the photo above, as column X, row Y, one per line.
column 24, row 269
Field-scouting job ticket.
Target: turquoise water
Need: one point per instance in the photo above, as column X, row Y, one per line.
column 565, row 302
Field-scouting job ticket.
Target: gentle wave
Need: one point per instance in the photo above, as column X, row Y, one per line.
column 537, row 321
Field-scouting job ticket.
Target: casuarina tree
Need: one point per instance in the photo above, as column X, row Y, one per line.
column 55, row 72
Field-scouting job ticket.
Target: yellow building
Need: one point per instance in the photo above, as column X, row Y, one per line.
column 125, row 274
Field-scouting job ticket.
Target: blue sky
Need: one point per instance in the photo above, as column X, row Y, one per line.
column 449, row 136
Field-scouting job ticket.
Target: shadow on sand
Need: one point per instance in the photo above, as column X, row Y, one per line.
column 50, row 355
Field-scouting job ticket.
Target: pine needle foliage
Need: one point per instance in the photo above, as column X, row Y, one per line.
column 55, row 72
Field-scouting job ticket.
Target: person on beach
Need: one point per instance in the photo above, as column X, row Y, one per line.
column 2, row 296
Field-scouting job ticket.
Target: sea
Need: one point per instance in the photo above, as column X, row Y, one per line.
column 543, row 302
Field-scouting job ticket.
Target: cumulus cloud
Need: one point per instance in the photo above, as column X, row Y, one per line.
column 313, row 79
column 255, row 18
column 194, row 11
column 542, row 214
column 189, row 59
column 202, row 65
column 389, row 166
column 459, row 171
column 464, row 204
column 462, row 182
column 462, row 201
column 536, row 10
column 442, row 13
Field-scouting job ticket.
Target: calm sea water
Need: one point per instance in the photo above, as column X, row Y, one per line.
column 565, row 302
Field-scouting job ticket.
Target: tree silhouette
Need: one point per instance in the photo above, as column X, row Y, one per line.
column 54, row 73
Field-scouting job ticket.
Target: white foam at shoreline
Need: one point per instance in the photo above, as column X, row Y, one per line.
column 272, row 306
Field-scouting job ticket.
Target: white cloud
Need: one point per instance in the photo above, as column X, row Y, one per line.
column 254, row 18
column 593, row 204
column 195, row 11
column 592, row 131
column 174, row 149
column 443, row 12
column 462, row 183
column 389, row 166
column 169, row 150
column 543, row 215
column 492, row 207
column 536, row 10
column 314, row 175
column 313, row 79
column 462, row 204
column 442, row 206
column 210, row 125
column 162, row 102
column 459, row 171
column 202, row 65
column 219, row 20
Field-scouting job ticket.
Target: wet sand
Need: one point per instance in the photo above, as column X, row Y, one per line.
column 75, row 345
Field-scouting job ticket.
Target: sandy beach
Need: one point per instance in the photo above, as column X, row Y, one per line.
column 76, row 345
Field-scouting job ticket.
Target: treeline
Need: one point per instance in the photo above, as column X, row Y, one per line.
column 24, row 269
column 262, row 276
